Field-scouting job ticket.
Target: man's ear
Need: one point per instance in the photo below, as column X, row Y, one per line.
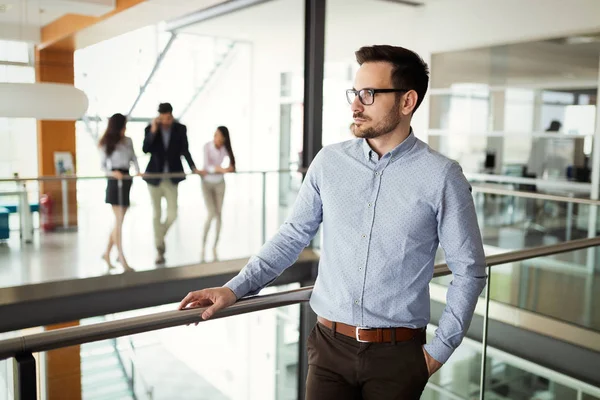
column 409, row 102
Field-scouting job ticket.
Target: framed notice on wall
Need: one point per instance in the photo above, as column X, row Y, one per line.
column 63, row 163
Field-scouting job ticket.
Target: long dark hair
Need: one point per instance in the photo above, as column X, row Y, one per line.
column 112, row 136
column 225, row 132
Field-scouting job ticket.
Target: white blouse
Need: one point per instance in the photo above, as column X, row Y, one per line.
column 121, row 157
column 213, row 158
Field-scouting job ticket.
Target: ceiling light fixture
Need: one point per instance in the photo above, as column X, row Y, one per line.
column 47, row 101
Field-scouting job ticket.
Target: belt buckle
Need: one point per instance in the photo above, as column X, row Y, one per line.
column 357, row 329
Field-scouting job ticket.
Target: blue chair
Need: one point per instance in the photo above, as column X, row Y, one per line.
column 4, row 227
column 13, row 208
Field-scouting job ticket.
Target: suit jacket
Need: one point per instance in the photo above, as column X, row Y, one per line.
column 178, row 146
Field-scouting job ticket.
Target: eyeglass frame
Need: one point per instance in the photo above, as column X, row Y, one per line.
column 372, row 92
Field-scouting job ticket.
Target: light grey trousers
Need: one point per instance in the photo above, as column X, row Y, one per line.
column 213, row 193
column 168, row 190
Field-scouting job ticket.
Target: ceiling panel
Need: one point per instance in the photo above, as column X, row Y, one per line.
column 37, row 13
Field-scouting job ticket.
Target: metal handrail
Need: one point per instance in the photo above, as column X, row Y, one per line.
column 533, row 195
column 476, row 188
column 517, row 180
column 128, row 326
column 144, row 175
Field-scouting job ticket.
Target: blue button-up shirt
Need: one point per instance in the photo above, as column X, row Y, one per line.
column 383, row 219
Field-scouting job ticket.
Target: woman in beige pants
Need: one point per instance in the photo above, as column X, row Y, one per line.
column 213, row 182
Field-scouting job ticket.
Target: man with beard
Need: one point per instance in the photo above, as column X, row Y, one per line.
column 386, row 201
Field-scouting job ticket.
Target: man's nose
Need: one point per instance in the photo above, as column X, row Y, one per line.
column 356, row 105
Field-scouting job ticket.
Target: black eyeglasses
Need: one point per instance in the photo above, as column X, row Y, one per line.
column 367, row 96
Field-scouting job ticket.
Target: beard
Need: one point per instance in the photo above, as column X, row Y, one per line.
column 383, row 127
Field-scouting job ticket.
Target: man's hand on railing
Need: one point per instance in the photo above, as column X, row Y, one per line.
column 117, row 174
column 216, row 298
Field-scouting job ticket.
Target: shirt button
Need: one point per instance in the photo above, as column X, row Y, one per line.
column 376, row 173
column 364, row 236
column 360, row 268
column 369, row 204
column 356, row 302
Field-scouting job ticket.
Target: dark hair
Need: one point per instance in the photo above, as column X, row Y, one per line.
column 554, row 126
column 112, row 135
column 165, row 108
column 409, row 70
column 225, row 132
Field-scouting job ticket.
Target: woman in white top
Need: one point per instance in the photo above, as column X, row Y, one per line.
column 213, row 182
column 117, row 155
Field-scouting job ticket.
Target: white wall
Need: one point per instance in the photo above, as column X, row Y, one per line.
column 226, row 102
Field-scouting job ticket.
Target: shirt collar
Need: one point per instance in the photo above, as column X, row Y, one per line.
column 395, row 153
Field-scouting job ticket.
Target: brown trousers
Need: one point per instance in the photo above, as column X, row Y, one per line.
column 339, row 367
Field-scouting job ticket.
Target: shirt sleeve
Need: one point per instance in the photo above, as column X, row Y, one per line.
column 134, row 159
column 460, row 238
column 293, row 236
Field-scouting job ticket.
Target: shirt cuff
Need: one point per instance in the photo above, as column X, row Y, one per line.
column 438, row 350
column 239, row 285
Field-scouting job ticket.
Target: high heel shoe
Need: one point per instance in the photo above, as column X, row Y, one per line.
column 107, row 261
column 124, row 264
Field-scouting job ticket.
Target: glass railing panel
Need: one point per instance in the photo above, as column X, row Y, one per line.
column 507, row 377
column 243, row 357
column 511, row 377
column 460, row 376
column 6, row 380
column 282, row 190
column 562, row 286
column 77, row 238
column 510, row 222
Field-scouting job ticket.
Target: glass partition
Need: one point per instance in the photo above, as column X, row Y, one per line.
column 73, row 231
column 518, row 109
column 248, row 356
column 513, row 222
column 526, row 285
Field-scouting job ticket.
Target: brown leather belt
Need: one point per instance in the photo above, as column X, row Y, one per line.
column 371, row 335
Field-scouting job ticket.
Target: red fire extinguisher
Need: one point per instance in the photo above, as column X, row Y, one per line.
column 46, row 213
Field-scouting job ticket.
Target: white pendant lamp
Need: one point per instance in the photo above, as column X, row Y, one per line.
column 47, row 101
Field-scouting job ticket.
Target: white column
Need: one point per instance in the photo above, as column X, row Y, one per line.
column 594, row 195
column 593, row 215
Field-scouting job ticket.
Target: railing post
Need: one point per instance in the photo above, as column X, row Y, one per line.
column 484, row 336
column 569, row 228
column 308, row 320
column 133, row 378
column 65, row 202
column 25, row 377
column 25, row 215
column 264, row 209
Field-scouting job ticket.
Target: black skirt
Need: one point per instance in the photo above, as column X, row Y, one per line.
column 112, row 190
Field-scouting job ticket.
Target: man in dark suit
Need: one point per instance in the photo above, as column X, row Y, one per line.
column 166, row 140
